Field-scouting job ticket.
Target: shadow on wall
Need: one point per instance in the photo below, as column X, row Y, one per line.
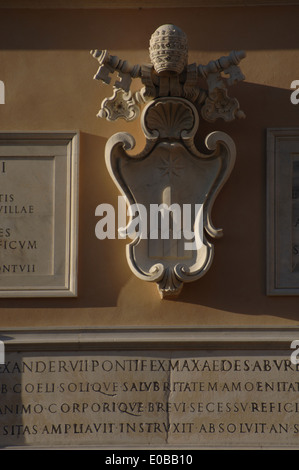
column 84, row 29
column 236, row 282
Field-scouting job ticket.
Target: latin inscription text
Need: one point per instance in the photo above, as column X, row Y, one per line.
column 164, row 398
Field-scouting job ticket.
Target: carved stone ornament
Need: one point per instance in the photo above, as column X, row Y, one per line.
column 120, row 105
column 171, row 172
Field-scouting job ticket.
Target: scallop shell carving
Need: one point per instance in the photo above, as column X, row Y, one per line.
column 170, row 119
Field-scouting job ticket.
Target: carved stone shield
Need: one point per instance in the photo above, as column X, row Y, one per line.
column 172, row 172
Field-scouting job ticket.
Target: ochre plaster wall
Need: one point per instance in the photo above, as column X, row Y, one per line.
column 48, row 73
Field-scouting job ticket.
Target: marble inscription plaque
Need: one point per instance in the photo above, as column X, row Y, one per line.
column 149, row 398
column 283, row 212
column 38, row 214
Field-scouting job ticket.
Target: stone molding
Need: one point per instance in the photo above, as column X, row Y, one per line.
column 126, row 4
column 148, row 338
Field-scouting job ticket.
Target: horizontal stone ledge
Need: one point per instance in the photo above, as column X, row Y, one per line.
column 137, row 338
column 159, row 447
column 124, row 4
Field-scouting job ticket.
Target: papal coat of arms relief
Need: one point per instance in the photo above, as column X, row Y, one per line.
column 170, row 179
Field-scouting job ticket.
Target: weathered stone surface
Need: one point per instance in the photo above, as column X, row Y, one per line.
column 149, row 398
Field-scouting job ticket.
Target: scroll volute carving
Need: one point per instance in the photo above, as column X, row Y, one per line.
column 171, row 176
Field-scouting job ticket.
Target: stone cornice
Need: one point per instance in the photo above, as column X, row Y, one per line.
column 153, row 338
column 119, row 4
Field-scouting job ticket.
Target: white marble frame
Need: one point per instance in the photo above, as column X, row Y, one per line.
column 282, row 145
column 65, row 146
